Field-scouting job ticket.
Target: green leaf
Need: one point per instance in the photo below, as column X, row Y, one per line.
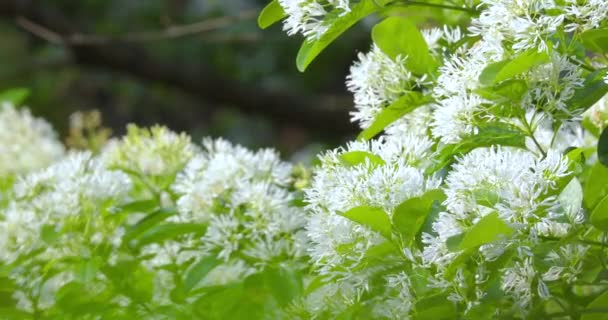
column 571, row 198
column 453, row 242
column 488, row 135
column 15, row 96
column 87, row 270
column 410, row 215
column 602, row 148
column 597, row 309
column 144, row 206
column 199, row 270
column 596, row 40
column 488, row 229
column 503, row 70
column 435, row 307
column 507, row 91
column 168, row 231
column 489, row 73
column 402, row 106
column 354, row 158
column 596, row 187
column 374, row 218
column 311, row 49
column 399, row 36
column 271, row 14
column 147, row 223
column 284, row 284
column 593, row 89
column 49, row 234
column 599, row 215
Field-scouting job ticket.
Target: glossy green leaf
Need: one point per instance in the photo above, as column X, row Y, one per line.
column 168, row 231
column 596, row 40
column 602, row 148
column 199, row 270
column 410, row 215
column 147, row 223
column 374, row 218
column 489, row 134
column 15, row 96
column 435, row 308
column 399, row 36
column 311, row 49
column 593, row 89
column 599, row 215
column 402, row 106
column 597, row 309
column 571, row 198
column 354, row 158
column 488, row 229
column 511, row 90
column 285, row 284
column 271, row 14
column 144, row 206
column 508, row 69
column 596, row 186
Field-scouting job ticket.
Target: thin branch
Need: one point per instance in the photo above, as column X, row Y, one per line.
column 438, row 5
column 171, row 32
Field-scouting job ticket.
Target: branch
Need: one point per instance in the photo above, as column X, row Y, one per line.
column 327, row 115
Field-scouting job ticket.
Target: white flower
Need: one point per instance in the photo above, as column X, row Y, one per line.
column 585, row 15
column 376, row 81
column 26, row 143
column 242, row 197
column 308, row 17
column 517, row 282
column 337, row 242
column 151, row 152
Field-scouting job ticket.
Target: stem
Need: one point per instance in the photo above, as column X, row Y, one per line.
column 437, row 5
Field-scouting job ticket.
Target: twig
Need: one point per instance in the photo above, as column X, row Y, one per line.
column 144, row 36
column 438, row 5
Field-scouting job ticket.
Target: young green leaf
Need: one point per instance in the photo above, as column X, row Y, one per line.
column 374, row 218
column 593, row 89
column 504, row 70
column 597, row 309
column 488, row 229
column 602, row 148
column 571, row 198
column 435, row 308
column 488, row 135
column 596, row 40
column 15, row 96
column 599, row 215
column 271, row 14
column 402, row 106
column 311, row 49
column 398, row 36
column 168, row 231
column 411, row 214
column 596, row 187
column 199, row 270
column 146, row 223
column 354, row 158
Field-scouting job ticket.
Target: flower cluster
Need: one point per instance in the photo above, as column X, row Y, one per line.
column 26, row 143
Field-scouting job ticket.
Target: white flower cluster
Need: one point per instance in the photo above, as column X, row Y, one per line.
column 522, row 187
column 308, row 17
column 26, row 143
column 57, row 214
column 242, row 198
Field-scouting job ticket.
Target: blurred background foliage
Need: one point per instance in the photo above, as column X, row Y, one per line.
column 222, row 76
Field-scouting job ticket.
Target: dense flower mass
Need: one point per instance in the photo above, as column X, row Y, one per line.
column 26, row 143
column 478, row 188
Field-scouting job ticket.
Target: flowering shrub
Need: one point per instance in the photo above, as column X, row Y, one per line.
column 477, row 188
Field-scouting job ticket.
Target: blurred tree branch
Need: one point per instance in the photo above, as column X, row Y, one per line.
column 325, row 114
